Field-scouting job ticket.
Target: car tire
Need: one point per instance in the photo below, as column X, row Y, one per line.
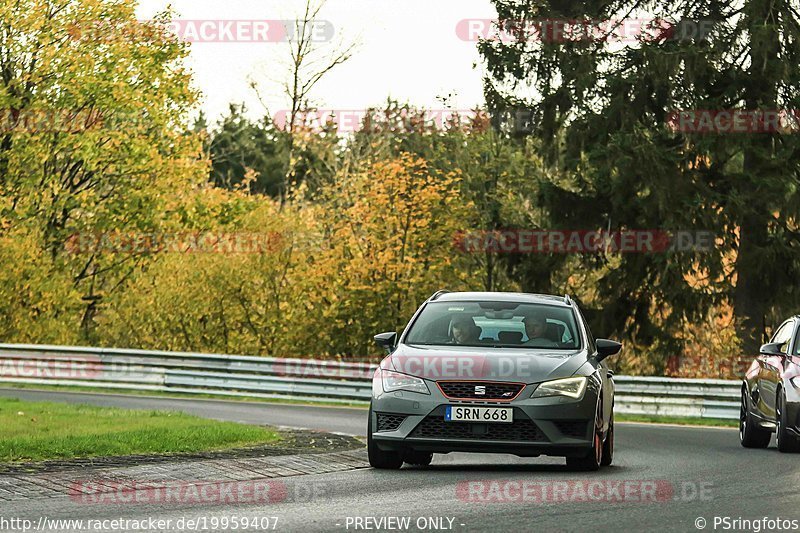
column 608, row 445
column 593, row 458
column 750, row 434
column 418, row 458
column 384, row 460
column 786, row 440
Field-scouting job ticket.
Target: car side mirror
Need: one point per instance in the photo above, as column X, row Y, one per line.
column 386, row 340
column 606, row 348
column 771, row 348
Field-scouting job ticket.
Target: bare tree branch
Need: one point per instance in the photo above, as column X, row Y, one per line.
column 309, row 61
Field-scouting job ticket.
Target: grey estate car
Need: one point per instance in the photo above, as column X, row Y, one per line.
column 493, row 372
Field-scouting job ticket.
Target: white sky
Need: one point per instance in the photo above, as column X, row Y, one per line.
column 408, row 51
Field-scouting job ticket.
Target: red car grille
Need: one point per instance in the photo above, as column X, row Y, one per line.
column 480, row 390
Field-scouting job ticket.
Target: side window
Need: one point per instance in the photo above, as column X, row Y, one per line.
column 783, row 335
column 563, row 331
column 796, row 350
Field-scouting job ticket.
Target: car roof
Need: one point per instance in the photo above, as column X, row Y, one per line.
column 520, row 297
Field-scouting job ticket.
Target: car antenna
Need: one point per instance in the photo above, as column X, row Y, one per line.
column 437, row 294
column 567, row 299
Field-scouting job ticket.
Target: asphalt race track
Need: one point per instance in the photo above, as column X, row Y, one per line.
column 698, row 474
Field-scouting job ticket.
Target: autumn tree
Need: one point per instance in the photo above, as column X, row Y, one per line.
column 94, row 139
column 498, row 177
column 602, row 110
column 387, row 244
column 247, row 299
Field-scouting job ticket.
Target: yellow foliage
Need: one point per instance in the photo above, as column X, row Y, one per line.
column 356, row 263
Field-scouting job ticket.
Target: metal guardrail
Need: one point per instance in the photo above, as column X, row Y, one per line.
column 306, row 379
column 697, row 398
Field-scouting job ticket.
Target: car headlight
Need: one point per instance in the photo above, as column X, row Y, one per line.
column 393, row 381
column 570, row 387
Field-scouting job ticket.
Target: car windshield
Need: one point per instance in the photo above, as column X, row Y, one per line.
column 497, row 324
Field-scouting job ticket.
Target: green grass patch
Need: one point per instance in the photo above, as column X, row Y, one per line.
column 680, row 420
column 38, row 431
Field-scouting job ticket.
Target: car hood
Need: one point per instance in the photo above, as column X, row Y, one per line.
column 479, row 363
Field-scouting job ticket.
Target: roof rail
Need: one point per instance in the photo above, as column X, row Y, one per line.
column 567, row 299
column 437, row 294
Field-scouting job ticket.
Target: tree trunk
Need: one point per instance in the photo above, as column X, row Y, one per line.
column 749, row 295
column 752, row 287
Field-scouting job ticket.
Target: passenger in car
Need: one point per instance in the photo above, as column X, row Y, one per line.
column 536, row 330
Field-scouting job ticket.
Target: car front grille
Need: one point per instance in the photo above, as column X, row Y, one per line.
column 435, row 427
column 480, row 390
column 576, row 429
column 389, row 422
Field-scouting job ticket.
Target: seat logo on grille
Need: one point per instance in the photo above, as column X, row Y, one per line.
column 480, row 390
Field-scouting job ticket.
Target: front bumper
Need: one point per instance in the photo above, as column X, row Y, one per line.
column 557, row 426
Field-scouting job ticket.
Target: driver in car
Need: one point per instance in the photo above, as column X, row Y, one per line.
column 536, row 330
column 462, row 331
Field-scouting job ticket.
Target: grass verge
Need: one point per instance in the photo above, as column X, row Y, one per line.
column 38, row 431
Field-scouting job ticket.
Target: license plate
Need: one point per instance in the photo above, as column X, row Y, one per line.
column 499, row 415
